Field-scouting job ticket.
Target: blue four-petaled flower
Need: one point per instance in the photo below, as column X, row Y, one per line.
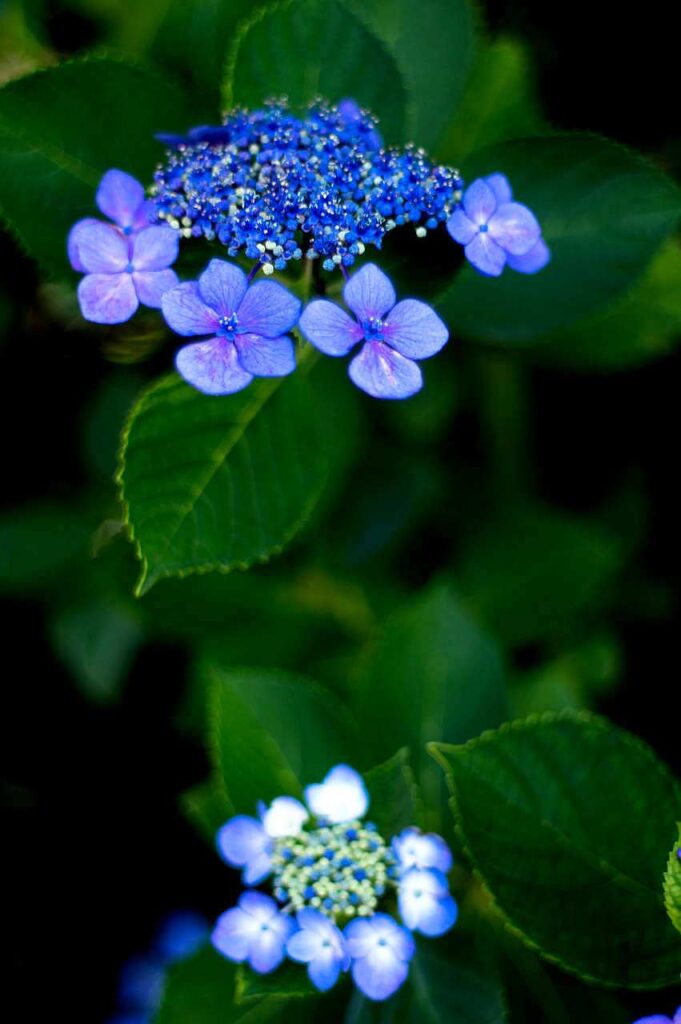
column 331, row 872
column 248, row 324
column 496, row 231
column 393, row 334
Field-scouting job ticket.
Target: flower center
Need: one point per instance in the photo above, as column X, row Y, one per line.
column 373, row 328
column 484, row 228
column 129, row 269
column 228, row 325
column 340, row 870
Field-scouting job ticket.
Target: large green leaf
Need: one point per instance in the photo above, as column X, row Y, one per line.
column 672, row 884
column 448, row 983
column 202, row 991
column 431, row 674
column 568, row 821
column 644, row 324
column 394, row 799
column 219, row 483
column 303, row 48
column 604, row 211
column 61, row 128
column 433, row 43
column 272, row 733
column 533, row 572
column 500, row 102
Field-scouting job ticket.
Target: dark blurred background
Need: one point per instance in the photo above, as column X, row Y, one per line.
column 96, row 849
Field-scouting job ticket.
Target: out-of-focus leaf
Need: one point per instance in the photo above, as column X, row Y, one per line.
column 604, row 211
column 572, row 680
column 289, row 981
column 97, row 642
column 568, row 819
column 448, row 983
column 273, row 733
column 39, row 541
column 202, row 991
column 644, row 324
column 104, row 419
column 672, row 884
column 535, row 571
column 432, row 672
column 500, row 102
column 207, row 807
column 61, row 128
column 434, row 44
column 286, row 50
column 218, row 484
column 393, row 794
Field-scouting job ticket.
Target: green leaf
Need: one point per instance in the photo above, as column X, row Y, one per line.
column 37, row 543
column 272, row 733
column 500, row 102
column 604, row 211
column 206, row 806
column 672, row 884
column 290, row 981
column 202, row 991
column 567, row 820
column 61, row 128
column 432, row 674
column 303, row 48
column 433, row 43
column 533, row 572
column 218, row 484
column 449, row 983
column 192, row 27
column 394, row 802
column 97, row 643
column 645, row 324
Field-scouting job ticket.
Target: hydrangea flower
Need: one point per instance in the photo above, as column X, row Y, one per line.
column 122, row 271
column 121, row 198
column 393, row 334
column 660, row 1019
column 248, row 324
column 333, row 877
column 495, row 230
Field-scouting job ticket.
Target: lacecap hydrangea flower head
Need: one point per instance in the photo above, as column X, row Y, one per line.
column 272, row 188
column 341, row 896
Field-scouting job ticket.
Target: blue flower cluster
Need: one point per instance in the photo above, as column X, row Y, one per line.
column 142, row 981
column 272, row 187
column 264, row 177
column 334, row 879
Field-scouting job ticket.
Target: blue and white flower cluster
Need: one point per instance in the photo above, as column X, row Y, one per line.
column 343, row 899
column 273, row 188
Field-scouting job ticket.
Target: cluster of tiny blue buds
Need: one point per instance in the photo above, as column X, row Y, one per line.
column 276, row 187
column 340, row 870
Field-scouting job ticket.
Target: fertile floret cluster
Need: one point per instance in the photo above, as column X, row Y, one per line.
column 265, row 176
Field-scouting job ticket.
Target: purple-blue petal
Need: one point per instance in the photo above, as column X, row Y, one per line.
column 102, row 249
column 154, row 248
column 479, row 202
column 329, row 328
column 384, row 373
column 324, row 971
column 533, row 261
column 233, row 934
column 222, row 286
column 213, row 368
column 268, row 948
column 501, row 187
column 266, row 357
column 151, row 286
column 187, row 313
column 485, row 255
column 241, row 839
column 369, row 293
column 72, row 242
column 379, row 976
column 461, row 228
column 515, row 228
column 415, row 330
column 107, row 298
column 119, row 197
column 268, row 309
